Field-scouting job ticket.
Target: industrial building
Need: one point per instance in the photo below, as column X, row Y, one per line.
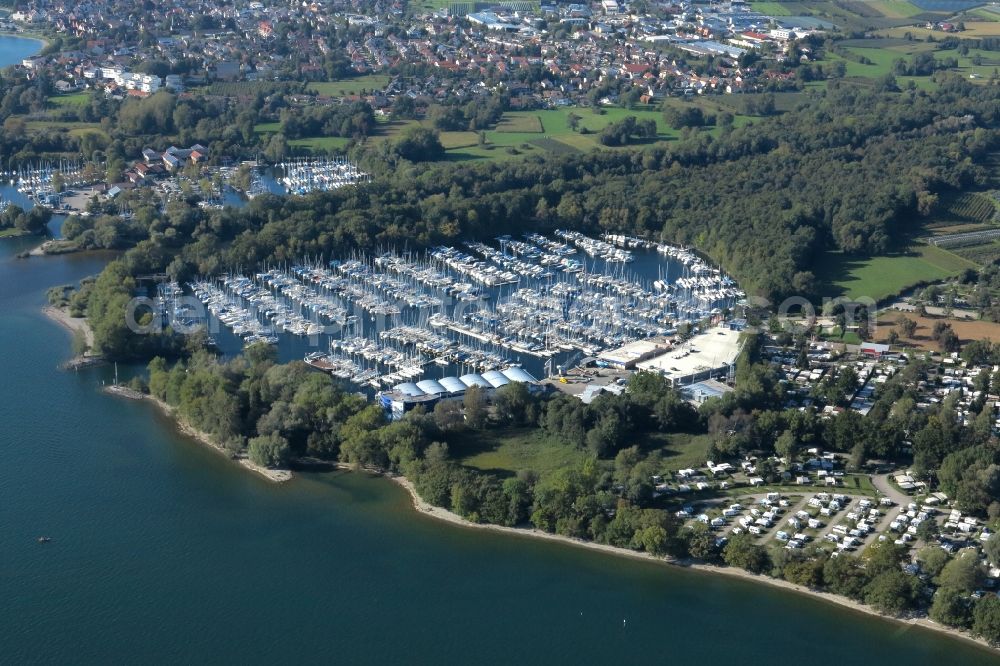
column 627, row 356
column 428, row 392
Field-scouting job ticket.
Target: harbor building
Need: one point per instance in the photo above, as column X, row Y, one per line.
column 709, row 355
column 428, row 392
column 627, row 356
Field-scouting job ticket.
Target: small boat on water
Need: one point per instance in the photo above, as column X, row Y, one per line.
column 44, row 539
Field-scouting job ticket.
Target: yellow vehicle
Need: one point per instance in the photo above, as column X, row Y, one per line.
column 562, row 380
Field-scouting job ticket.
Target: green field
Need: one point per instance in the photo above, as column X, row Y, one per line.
column 895, row 8
column 680, row 450
column 69, row 101
column 506, row 452
column 320, row 143
column 74, row 128
column 771, row 8
column 884, row 276
column 352, row 86
column 521, row 132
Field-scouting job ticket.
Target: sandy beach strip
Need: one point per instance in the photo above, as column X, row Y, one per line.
column 72, row 324
column 448, row 516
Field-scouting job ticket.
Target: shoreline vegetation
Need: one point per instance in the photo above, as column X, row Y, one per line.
column 273, row 475
column 427, row 509
column 75, row 325
column 442, row 514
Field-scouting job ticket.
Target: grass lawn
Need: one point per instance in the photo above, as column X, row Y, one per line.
column 72, row 100
column 352, row 86
column 884, row 276
column 506, row 452
column 12, row 232
column 680, row 450
column 320, row 143
column 520, row 123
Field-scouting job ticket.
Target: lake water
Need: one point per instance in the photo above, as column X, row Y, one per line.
column 165, row 552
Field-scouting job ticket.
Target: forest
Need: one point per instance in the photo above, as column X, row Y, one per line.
column 854, row 171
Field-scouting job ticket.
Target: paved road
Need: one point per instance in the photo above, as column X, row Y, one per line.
column 881, row 483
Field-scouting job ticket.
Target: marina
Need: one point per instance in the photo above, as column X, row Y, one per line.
column 304, row 176
column 375, row 321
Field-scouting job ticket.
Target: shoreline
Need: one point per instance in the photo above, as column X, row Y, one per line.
column 273, row 475
column 444, row 515
column 438, row 513
column 33, row 36
column 75, row 325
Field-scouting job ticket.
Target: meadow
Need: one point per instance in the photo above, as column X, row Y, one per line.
column 353, row 86
column 884, row 276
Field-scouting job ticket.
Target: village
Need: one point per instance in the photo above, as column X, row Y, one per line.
column 541, row 57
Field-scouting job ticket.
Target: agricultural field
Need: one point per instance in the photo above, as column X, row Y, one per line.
column 966, row 329
column 983, row 254
column 771, row 8
column 895, row 8
column 968, row 208
column 352, row 86
column 884, row 276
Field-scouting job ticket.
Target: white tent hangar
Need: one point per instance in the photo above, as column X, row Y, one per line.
column 496, row 378
column 516, row 374
column 404, row 397
column 431, row 387
column 473, row 379
column 409, row 389
column 452, row 385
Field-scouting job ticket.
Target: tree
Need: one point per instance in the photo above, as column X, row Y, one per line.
column 932, row 560
column 986, row 619
column 845, row 576
column 962, row 572
column 420, row 144
column 653, row 540
column 992, row 549
column 448, row 416
column 907, row 327
column 741, row 551
column 474, row 402
column 268, row 450
column 890, row 592
column 786, row 445
column 701, row 543
column 951, row 607
column 807, row 572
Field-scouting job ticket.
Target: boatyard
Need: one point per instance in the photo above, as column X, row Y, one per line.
column 543, row 304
